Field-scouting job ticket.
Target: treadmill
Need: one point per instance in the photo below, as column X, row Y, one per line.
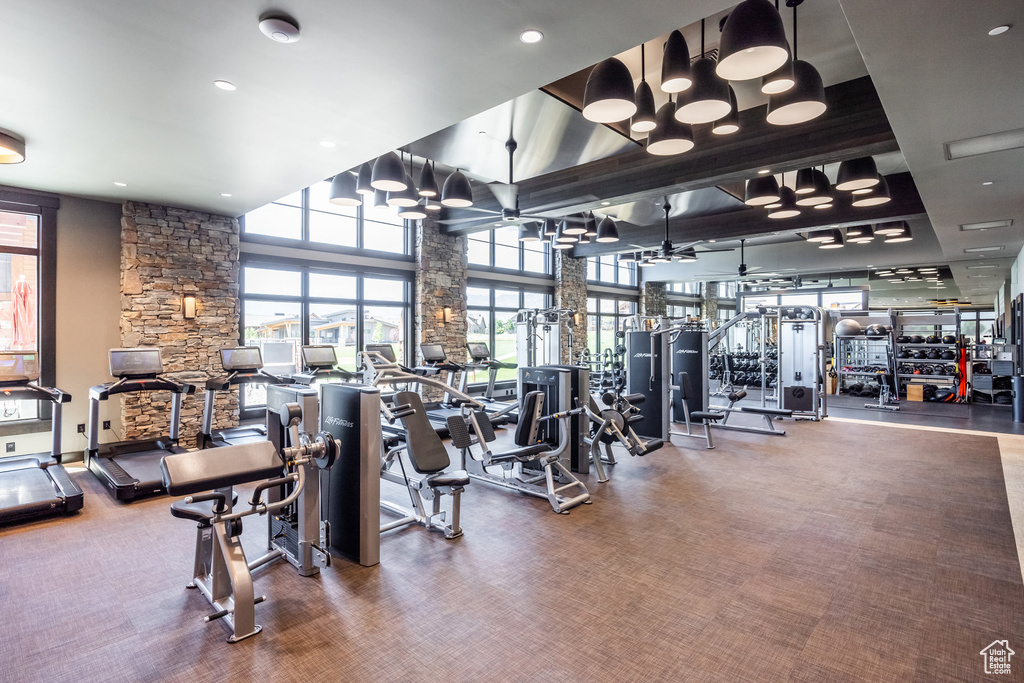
column 390, row 360
column 131, row 469
column 480, row 359
column 320, row 362
column 34, row 485
column 244, row 365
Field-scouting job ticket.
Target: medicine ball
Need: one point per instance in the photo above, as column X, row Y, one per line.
column 933, row 354
column 948, row 355
column 944, row 395
column 920, row 355
column 916, row 339
column 932, row 339
column 875, row 331
column 949, row 339
column 905, row 354
column 848, row 328
column 902, row 339
column 928, row 392
column 855, row 389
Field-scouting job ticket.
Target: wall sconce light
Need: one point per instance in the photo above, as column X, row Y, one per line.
column 446, row 314
column 188, row 306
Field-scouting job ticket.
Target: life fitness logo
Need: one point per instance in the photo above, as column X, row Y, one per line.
column 641, row 354
column 338, row 421
column 997, row 657
column 686, row 351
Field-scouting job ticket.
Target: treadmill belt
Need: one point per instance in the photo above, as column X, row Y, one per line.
column 26, row 491
column 144, row 466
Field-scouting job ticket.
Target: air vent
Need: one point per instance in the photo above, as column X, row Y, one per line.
column 973, row 250
column 987, row 225
column 984, row 144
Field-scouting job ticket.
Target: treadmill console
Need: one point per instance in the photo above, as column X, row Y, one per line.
column 384, row 350
column 478, row 351
column 18, row 368
column 319, row 357
column 139, row 362
column 433, row 353
column 241, row 359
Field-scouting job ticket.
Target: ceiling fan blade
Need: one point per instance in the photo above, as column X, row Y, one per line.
column 506, row 194
column 711, row 251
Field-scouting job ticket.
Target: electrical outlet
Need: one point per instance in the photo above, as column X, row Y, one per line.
column 10, row 446
column 106, row 424
column 81, row 428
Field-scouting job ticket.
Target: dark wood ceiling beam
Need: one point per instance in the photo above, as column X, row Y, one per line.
column 854, row 125
column 906, row 204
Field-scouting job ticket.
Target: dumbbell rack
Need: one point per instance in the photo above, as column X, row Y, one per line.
column 861, row 351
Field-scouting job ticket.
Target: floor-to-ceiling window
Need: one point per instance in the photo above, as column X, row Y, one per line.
column 608, row 270
column 491, row 316
column 501, row 249
column 606, row 316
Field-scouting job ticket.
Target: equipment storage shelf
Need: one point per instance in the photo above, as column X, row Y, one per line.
column 859, row 358
column 991, row 368
column 923, row 332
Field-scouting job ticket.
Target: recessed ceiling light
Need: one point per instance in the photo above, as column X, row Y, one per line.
column 764, row 171
column 712, row 241
column 987, row 183
column 120, row 184
column 972, row 250
column 998, row 30
column 225, row 194
column 985, row 225
column 225, row 85
column 328, row 144
column 981, row 266
column 530, row 36
column 605, row 203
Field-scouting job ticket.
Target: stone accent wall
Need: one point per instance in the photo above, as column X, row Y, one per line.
column 167, row 253
column 441, row 274
column 709, row 304
column 654, row 299
column 571, row 292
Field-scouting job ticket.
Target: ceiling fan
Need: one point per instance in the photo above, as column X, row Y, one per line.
column 670, row 252
column 743, row 270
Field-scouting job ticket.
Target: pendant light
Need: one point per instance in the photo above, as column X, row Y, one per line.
column 820, row 236
column 780, row 80
column 670, row 136
column 787, row 207
column 550, row 227
column 562, row 236
column 857, row 174
column 388, row 173
column 363, row 181
column 675, row 64
column 889, row 228
column 836, row 241
column 731, row 123
column 812, row 188
column 805, row 100
column 761, row 191
column 529, row 232
column 413, row 213
column 575, row 224
column 628, row 257
column 902, row 236
column 591, row 225
column 404, row 198
column 608, row 97
column 380, row 201
column 343, row 190
column 708, row 99
column 457, row 193
column 583, row 239
column 12, row 149
column 753, row 42
column 644, row 119
column 877, row 195
column 645, row 261
column 864, row 235
column 428, row 182
column 561, row 241
column 607, row 232
column 432, row 204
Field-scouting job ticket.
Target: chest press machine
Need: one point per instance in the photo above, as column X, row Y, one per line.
column 221, row 571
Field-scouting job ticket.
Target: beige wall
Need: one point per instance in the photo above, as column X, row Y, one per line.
column 88, row 314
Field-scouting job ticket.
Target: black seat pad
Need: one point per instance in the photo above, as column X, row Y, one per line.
column 767, row 411
column 453, row 478
column 524, row 452
column 199, row 471
column 705, row 415
column 197, row 512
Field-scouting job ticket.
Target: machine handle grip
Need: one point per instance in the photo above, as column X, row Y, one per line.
column 634, row 398
column 257, row 493
column 402, row 411
column 212, row 495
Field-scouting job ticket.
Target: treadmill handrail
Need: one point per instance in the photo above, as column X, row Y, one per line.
column 33, row 392
column 101, row 392
column 238, row 378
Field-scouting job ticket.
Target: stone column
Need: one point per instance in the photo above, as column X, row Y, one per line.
column 441, row 273
column 571, row 292
column 709, row 304
column 167, row 253
column 654, row 299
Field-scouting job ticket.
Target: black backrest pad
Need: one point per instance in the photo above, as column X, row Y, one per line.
column 458, row 432
column 483, row 421
column 684, row 385
column 214, row 468
column 426, row 450
column 525, row 430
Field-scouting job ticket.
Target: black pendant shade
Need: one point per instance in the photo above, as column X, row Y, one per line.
column 363, row 185
column 406, row 197
column 787, row 207
column 670, row 136
column 562, row 240
column 803, row 102
column 820, row 236
column 864, row 234
column 591, row 225
column 731, row 123
column 428, row 183
column 457, row 193
column 550, row 227
column 606, row 231
column 608, row 97
column 753, row 41
column 835, row 243
column 889, row 228
column 414, row 212
column 762, row 191
column 529, row 232
column 675, row 64
column 628, row 257
column 879, row 194
column 812, row 188
column 575, row 224
column 855, row 174
column 902, row 236
column 380, row 200
column 780, row 80
column 644, row 119
column 583, row 239
column 708, row 99
column 343, row 190
column 388, row 173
